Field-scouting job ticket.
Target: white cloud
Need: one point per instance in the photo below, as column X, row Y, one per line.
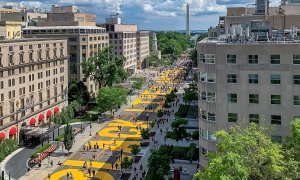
column 148, row 7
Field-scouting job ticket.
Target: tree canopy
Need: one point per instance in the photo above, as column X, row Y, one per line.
column 79, row 92
column 248, row 154
column 172, row 42
column 68, row 137
column 191, row 93
column 110, row 98
column 104, row 68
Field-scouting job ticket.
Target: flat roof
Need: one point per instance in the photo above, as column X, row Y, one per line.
column 29, row 39
column 61, row 27
column 232, row 42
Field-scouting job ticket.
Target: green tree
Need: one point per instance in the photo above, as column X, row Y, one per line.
column 135, row 149
column 191, row 151
column 110, row 98
column 178, row 131
column 172, row 42
column 126, row 163
column 145, row 133
column 68, row 137
column 248, row 153
column 78, row 92
column 293, row 141
column 158, row 164
column 104, row 68
column 191, row 93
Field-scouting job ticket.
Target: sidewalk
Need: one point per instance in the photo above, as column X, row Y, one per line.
column 61, row 155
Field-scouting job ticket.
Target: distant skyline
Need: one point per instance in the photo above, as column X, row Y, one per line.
column 148, row 14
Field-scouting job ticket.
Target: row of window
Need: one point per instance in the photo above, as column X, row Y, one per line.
column 11, row 72
column 254, row 118
column 252, row 59
column 30, row 46
column 253, row 79
column 254, row 99
column 12, row 58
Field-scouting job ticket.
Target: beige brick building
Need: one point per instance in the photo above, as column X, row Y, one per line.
column 127, row 41
column 143, row 48
column 84, row 38
column 33, row 82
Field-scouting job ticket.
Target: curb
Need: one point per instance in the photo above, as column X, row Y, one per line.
column 3, row 163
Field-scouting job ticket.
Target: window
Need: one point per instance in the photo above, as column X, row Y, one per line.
column 253, row 78
column 276, row 119
column 253, row 59
column 204, row 114
column 297, row 100
column 276, row 139
column 275, row 78
column 231, row 58
column 211, row 116
column 296, row 59
column 232, row 117
column 211, row 77
column 253, row 118
column 231, row 78
column 232, row 98
column 253, row 98
column 275, row 59
column 211, row 97
column 203, row 151
column 203, row 96
column 206, row 58
column 296, row 79
column 275, row 99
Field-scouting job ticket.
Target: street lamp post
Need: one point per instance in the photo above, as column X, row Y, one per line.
column 147, row 118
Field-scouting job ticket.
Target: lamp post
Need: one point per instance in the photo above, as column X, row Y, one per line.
column 121, row 160
column 147, row 118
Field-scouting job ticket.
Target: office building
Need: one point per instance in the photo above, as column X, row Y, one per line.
column 10, row 30
column 250, row 73
column 143, row 48
column 33, row 83
column 126, row 41
column 84, row 38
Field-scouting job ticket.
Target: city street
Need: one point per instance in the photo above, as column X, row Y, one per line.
column 101, row 152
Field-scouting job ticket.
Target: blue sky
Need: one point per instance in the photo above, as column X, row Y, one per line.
column 148, row 14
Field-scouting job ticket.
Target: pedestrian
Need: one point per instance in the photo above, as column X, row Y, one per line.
column 94, row 172
column 68, row 175
column 89, row 172
column 116, row 166
column 112, row 166
column 71, row 175
column 51, row 163
column 49, row 176
column 28, row 170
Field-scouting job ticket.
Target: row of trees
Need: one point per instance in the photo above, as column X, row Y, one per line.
column 250, row 154
column 172, row 42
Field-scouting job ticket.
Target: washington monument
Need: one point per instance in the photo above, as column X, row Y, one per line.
column 187, row 19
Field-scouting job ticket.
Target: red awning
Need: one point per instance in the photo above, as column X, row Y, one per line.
column 32, row 121
column 2, row 135
column 41, row 117
column 56, row 110
column 12, row 131
column 49, row 113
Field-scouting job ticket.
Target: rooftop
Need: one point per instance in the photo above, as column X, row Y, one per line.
column 62, row 27
column 233, row 41
column 28, row 40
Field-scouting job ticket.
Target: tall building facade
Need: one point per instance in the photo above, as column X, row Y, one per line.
column 85, row 39
column 127, row 41
column 249, row 73
column 143, row 48
column 33, row 83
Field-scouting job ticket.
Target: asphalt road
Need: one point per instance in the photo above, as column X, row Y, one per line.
column 17, row 165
